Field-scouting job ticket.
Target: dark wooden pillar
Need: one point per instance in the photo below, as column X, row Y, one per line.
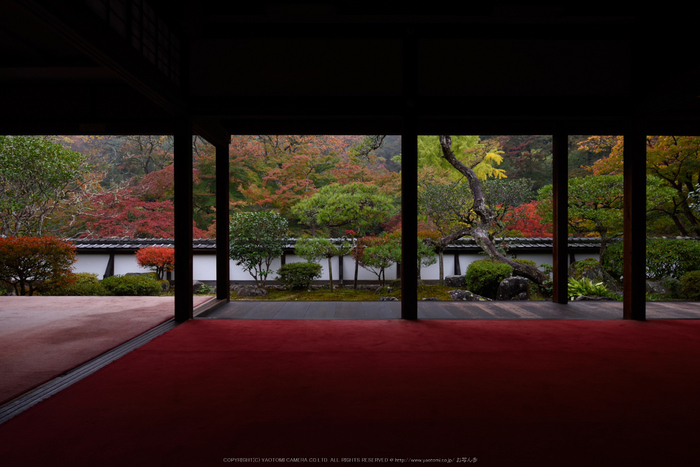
column 223, row 272
column 560, row 214
column 183, row 221
column 340, row 269
column 409, row 184
column 634, row 246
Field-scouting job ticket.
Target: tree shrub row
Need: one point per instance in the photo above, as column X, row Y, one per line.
column 665, row 257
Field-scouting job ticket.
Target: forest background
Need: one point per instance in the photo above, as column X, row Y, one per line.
column 122, row 186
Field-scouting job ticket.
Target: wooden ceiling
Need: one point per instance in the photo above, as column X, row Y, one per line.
column 84, row 67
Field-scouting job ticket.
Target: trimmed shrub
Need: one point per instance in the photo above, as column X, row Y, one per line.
column 85, row 284
column 690, row 285
column 131, row 285
column 299, row 275
column 484, row 276
column 673, row 288
column 666, row 257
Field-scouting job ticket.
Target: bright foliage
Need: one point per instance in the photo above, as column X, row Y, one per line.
column 480, row 156
column 675, row 160
column 159, row 259
column 34, row 264
column 526, row 221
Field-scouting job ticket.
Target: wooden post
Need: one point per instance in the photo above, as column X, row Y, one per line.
column 182, row 153
column 223, row 272
column 634, row 241
column 409, row 224
column 560, row 213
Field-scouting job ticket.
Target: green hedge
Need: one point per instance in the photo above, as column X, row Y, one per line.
column 690, row 285
column 85, row 284
column 299, row 275
column 484, row 276
column 131, row 285
column 666, row 257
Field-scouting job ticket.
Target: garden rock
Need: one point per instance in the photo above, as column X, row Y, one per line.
column 250, row 291
column 197, row 286
column 467, row 296
column 455, row 281
column 430, row 299
column 656, row 287
column 593, row 270
column 512, row 288
column 388, row 299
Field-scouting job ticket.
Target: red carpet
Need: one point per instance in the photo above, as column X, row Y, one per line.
column 560, row 393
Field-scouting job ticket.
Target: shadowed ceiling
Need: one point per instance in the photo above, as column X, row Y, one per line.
column 133, row 66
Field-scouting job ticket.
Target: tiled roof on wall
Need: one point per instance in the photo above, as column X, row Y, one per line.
column 207, row 244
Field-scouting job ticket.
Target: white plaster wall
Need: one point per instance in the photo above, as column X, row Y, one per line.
column 126, row 263
column 94, row 264
column 204, row 266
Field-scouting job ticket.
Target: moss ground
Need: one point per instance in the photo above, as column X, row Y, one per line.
column 349, row 294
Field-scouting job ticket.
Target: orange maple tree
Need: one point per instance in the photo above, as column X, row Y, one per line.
column 159, row 259
column 34, row 264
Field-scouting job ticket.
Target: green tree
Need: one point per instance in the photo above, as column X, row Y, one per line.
column 315, row 249
column 356, row 205
column 377, row 253
column 257, row 238
column 596, row 202
column 37, row 177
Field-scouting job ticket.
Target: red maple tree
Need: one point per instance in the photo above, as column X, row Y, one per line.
column 159, row 259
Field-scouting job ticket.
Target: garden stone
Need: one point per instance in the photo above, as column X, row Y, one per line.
column 455, row 281
column 388, row 299
column 430, row 299
column 467, row 296
column 251, row 291
column 656, row 287
column 511, row 288
column 197, row 286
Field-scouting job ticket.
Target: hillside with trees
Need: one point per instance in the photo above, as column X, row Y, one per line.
column 122, row 186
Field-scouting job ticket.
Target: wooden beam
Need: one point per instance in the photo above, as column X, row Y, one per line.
column 560, row 212
column 182, row 152
column 634, row 241
column 223, row 273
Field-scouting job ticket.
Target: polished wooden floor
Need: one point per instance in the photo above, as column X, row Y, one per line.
column 446, row 310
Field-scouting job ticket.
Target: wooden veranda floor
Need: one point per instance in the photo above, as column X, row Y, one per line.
column 593, row 310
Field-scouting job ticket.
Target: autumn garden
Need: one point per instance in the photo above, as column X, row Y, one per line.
column 340, row 195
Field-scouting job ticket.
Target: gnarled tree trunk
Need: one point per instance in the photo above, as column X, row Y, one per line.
column 480, row 230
